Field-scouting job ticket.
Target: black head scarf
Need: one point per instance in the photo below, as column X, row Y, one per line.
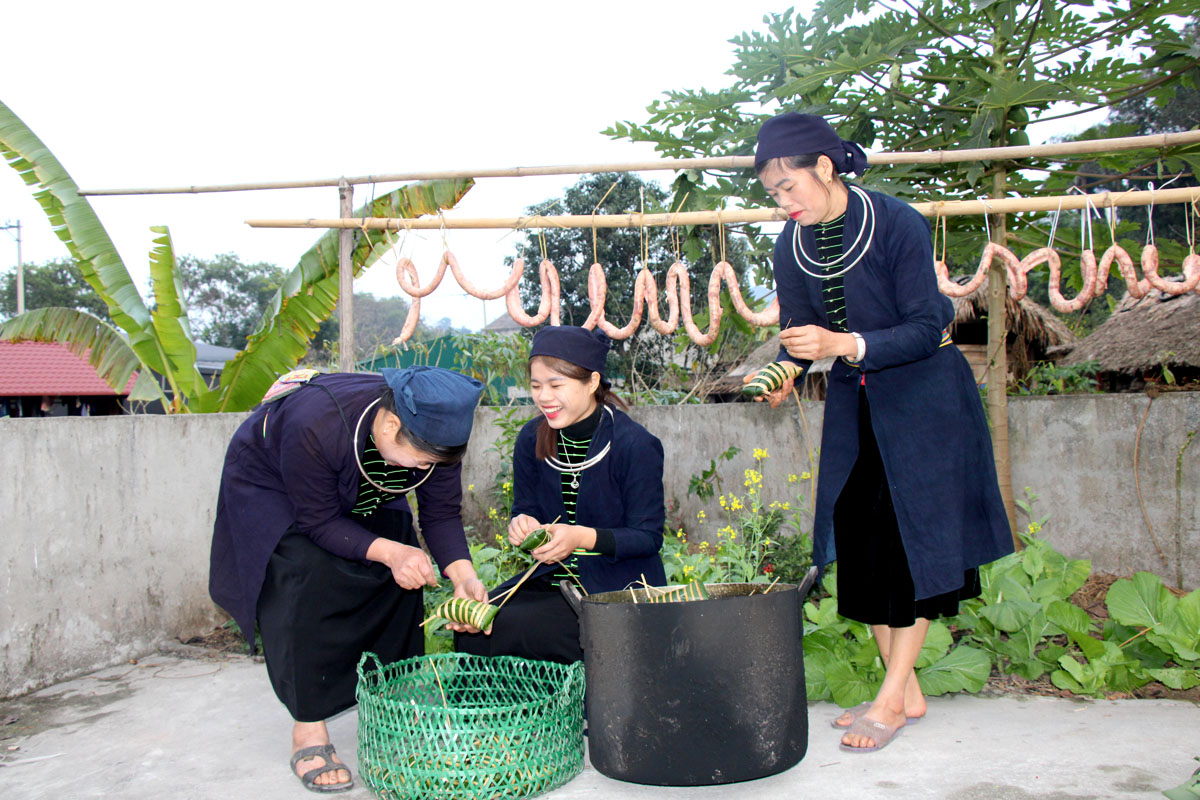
column 793, row 134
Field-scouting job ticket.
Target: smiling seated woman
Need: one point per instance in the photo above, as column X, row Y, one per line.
column 584, row 462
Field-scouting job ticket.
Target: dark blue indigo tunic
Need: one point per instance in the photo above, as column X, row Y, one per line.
column 623, row 493
column 291, row 463
column 925, row 408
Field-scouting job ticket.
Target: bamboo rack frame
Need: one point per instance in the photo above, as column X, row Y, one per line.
column 1152, row 142
column 944, row 208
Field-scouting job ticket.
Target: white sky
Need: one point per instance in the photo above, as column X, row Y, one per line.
column 135, row 94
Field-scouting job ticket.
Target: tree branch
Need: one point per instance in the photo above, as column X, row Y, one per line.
column 1029, row 39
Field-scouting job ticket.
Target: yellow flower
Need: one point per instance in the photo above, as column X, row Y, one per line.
column 727, row 529
column 723, row 503
column 506, row 486
column 1034, row 527
column 688, row 569
column 760, row 453
column 736, row 504
column 732, row 536
column 786, row 506
column 701, row 516
column 806, row 476
column 492, row 514
column 703, row 546
column 792, row 477
column 752, row 491
column 470, row 487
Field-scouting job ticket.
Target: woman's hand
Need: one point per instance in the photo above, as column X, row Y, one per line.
column 812, row 342
column 776, row 397
column 410, row 566
column 564, row 540
column 521, row 526
column 467, row 586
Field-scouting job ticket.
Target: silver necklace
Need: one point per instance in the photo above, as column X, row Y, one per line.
column 574, row 469
column 868, row 218
column 358, row 458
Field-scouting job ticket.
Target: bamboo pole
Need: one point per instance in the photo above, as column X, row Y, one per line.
column 997, row 370
column 1152, row 141
column 346, row 282
column 945, row 208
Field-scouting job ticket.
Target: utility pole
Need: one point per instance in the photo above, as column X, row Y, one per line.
column 20, row 266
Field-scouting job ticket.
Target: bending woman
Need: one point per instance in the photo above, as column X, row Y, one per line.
column 583, row 462
column 314, row 538
column 907, row 500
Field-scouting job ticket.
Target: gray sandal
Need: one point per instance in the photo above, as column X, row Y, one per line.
column 860, row 710
column 872, row 729
column 309, row 778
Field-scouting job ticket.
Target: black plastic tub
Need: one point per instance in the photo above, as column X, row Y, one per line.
column 695, row 693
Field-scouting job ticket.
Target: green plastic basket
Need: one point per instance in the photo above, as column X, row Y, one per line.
column 454, row 725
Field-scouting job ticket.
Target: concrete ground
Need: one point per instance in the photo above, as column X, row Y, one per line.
column 191, row 726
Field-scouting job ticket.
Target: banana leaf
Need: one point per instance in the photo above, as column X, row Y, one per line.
column 309, row 293
column 90, row 338
column 76, row 224
column 171, row 326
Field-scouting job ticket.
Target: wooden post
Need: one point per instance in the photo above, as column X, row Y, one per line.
column 997, row 380
column 346, row 281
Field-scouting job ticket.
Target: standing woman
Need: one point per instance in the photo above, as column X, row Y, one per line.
column 907, row 501
column 592, row 477
column 314, row 538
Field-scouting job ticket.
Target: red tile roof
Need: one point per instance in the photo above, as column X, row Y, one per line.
column 47, row 368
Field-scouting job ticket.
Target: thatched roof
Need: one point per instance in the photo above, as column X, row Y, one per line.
column 1144, row 334
column 1026, row 319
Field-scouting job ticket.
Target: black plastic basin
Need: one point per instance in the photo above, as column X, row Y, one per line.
column 695, row 693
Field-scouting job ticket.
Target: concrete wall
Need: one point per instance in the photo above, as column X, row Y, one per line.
column 105, row 522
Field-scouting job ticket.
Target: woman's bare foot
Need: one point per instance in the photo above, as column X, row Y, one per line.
column 914, row 706
column 309, row 734
column 880, row 713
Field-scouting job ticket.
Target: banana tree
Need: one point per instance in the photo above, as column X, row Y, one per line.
column 157, row 338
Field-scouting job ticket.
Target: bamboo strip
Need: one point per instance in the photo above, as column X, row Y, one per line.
column 945, row 208
column 1151, row 141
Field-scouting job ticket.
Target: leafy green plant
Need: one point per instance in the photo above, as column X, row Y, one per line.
column 493, row 359
column 1049, row 378
column 708, row 482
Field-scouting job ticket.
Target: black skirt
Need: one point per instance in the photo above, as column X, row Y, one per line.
column 318, row 612
column 874, row 582
column 536, row 623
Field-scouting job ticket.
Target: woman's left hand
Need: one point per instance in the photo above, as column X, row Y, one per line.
column 564, row 540
column 812, row 342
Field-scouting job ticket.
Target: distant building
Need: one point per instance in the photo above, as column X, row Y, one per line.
column 45, row 379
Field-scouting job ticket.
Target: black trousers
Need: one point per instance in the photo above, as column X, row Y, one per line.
column 874, row 581
column 318, row 613
column 536, row 623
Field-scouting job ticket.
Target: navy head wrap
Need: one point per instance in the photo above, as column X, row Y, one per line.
column 579, row 346
column 436, row 404
column 795, row 134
